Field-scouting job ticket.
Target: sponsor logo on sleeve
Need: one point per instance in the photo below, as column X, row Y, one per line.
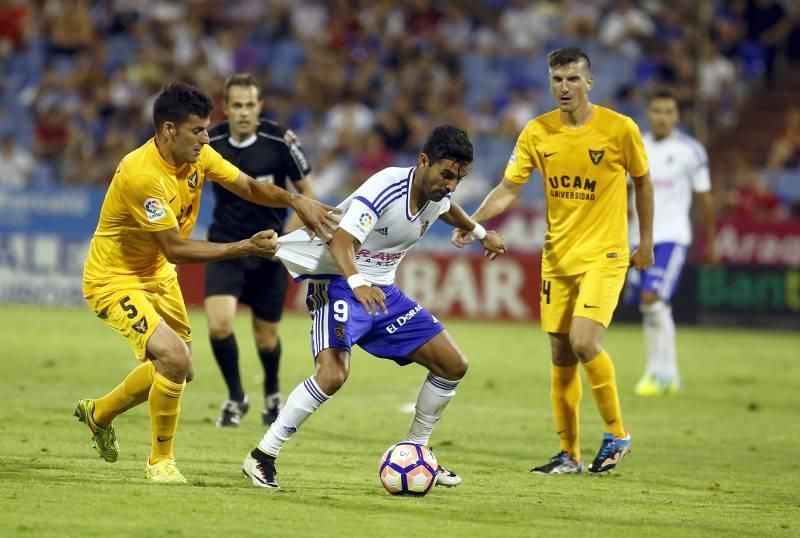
column 364, row 221
column 154, row 209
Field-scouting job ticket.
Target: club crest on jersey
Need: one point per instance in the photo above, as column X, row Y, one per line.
column 424, row 228
column 154, row 209
column 596, row 155
column 192, row 181
column 141, row 326
column 340, row 332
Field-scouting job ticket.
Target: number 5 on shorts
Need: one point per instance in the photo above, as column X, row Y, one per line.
column 129, row 308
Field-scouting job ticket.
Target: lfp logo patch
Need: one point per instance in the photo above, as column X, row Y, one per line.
column 154, row 209
column 365, row 219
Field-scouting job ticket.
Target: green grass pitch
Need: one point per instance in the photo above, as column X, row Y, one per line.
column 720, row 459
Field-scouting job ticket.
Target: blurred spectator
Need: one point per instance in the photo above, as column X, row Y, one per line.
column 346, row 122
column 12, row 25
column 767, row 25
column 16, row 164
column 625, row 27
column 751, row 198
column 717, row 84
column 785, row 151
column 69, row 26
column 371, row 156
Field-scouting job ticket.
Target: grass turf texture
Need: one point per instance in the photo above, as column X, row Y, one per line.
column 719, row 459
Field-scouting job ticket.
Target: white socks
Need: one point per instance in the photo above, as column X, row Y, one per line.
column 302, row 402
column 659, row 337
column 434, row 395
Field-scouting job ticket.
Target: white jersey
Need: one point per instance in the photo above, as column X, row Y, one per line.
column 378, row 215
column 678, row 167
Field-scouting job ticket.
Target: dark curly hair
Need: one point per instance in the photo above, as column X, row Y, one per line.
column 448, row 142
column 177, row 101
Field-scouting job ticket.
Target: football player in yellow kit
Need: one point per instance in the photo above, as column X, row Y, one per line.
column 585, row 153
column 129, row 278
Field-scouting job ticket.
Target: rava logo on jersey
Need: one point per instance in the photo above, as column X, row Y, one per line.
column 402, row 320
column 572, row 187
column 381, row 258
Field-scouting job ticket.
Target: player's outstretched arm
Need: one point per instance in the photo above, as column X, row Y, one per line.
column 342, row 249
column 317, row 216
column 642, row 257
column 490, row 240
column 495, row 203
column 178, row 250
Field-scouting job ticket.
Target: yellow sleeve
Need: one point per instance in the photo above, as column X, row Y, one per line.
column 521, row 164
column 146, row 200
column 216, row 168
column 633, row 150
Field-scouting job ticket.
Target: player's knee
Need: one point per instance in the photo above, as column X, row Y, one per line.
column 332, row 372
column 585, row 348
column 649, row 298
column 173, row 360
column 220, row 329
column 457, row 368
column 266, row 340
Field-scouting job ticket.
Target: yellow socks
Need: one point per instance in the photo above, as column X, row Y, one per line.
column 565, row 396
column 128, row 394
column 164, row 400
column 600, row 372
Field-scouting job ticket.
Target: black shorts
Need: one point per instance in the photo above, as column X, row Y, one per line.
column 255, row 281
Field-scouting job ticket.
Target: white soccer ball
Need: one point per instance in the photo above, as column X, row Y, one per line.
column 408, row 469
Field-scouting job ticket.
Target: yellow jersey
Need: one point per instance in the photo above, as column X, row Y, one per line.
column 585, row 173
column 147, row 194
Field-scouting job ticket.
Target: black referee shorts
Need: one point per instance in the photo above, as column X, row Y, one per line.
column 255, row 281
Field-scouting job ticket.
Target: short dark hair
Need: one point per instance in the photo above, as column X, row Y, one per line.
column 663, row 94
column 240, row 79
column 448, row 142
column 177, row 101
column 567, row 55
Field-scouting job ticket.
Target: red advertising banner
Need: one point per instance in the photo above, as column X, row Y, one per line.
column 460, row 285
column 774, row 244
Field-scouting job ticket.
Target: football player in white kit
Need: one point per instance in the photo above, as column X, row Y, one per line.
column 679, row 167
column 352, row 298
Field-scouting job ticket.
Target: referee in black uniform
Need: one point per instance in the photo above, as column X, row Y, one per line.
column 267, row 152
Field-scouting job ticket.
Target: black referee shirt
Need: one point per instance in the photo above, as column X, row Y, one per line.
column 272, row 155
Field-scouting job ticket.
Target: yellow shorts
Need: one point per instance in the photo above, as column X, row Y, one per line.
column 593, row 294
column 135, row 312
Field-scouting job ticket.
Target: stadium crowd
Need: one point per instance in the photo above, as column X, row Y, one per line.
column 361, row 81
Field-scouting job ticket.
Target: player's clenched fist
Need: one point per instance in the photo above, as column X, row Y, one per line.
column 642, row 257
column 372, row 298
column 493, row 244
column 265, row 243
